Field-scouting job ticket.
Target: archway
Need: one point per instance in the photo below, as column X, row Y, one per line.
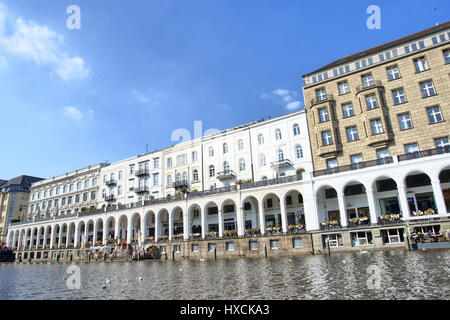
column 328, row 207
column 271, row 213
column 149, row 226
column 98, row 236
column 135, row 228
column 444, row 181
column 251, row 215
column 356, row 204
column 195, row 222
column 163, row 228
column 294, row 208
column 123, row 228
column 229, row 218
column 419, row 193
column 178, row 223
column 211, row 218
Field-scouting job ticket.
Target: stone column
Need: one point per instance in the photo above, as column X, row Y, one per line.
column 186, row 230
column 311, row 214
column 129, row 230
column 94, row 235
column 156, row 227
column 170, row 226
column 75, row 240
column 45, row 238
column 38, row 238
column 220, row 216
column 283, row 215
column 438, row 196
column 68, row 236
column 342, row 209
column 403, row 200
column 52, row 237
column 373, row 211
column 105, row 233
column 262, row 218
column 241, row 222
column 203, row 222
column 116, row 228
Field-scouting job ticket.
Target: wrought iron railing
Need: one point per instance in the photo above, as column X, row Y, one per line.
column 424, row 153
column 326, row 98
column 354, row 166
column 111, row 182
column 180, row 184
column 143, row 189
column 212, row 191
column 271, row 182
column 142, row 172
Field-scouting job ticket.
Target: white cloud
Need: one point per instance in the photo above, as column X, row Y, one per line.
column 73, row 113
column 41, row 45
column 289, row 99
column 151, row 98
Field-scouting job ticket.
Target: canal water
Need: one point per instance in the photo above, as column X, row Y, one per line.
column 362, row 275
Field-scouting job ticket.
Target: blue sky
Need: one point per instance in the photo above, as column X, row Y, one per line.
column 138, row 70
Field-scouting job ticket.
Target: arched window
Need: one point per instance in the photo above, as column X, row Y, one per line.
column 262, row 160
column 226, row 166
column 185, row 176
column 195, row 175
column 296, row 129
column 178, row 177
column 240, row 144
column 278, row 134
column 169, row 162
column 211, row 151
column 241, row 165
column 119, row 190
column 212, row 171
column 299, row 151
column 120, row 175
column 280, row 155
column 104, row 193
column 225, row 148
column 260, row 138
column 264, row 178
column 169, row 180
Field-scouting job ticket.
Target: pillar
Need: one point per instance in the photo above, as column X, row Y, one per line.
column 311, row 213
column 342, row 209
column 186, row 225
column 94, row 235
column 241, row 222
column 75, row 241
column 52, row 237
column 403, row 200
column 203, row 222
column 170, row 226
column 262, row 219
column 220, row 222
column 156, row 227
column 105, row 232
column 438, row 196
column 129, row 230
column 284, row 225
column 372, row 209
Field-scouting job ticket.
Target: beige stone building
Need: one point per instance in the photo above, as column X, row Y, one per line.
column 14, row 197
column 391, row 100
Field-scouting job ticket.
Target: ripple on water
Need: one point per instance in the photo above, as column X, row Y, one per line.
column 404, row 275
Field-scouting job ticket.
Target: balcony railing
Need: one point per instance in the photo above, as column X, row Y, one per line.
column 374, row 84
column 285, row 163
column 271, row 182
column 143, row 189
column 180, row 184
column 326, row 98
column 354, row 166
column 165, row 200
column 424, row 153
column 212, row 191
column 142, row 172
column 111, row 182
column 226, row 175
column 110, row 198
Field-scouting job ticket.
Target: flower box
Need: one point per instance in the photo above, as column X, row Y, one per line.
column 178, row 236
column 331, row 224
column 390, row 218
column 427, row 212
column 296, row 227
column 211, row 234
column 230, row 233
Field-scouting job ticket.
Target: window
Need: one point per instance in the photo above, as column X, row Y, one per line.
column 326, row 138
column 404, row 121
column 131, row 172
column 155, row 164
column 194, row 156
column 169, row 180
column 78, row 185
column 230, row 246
column 356, row 158
column 240, row 144
column 211, row 247
column 299, row 151
column 441, row 142
column 169, row 162
column 323, row 115
column 343, row 88
column 297, row 243
column 176, row 248
column 407, row 49
column 85, row 197
column 347, row 110
column 278, row 134
column 212, row 171
column 447, row 55
column 399, row 96
column 352, row 134
column 195, row 175
column 274, row 244
column 361, row 238
column 211, row 151
column 94, row 182
column 253, row 245
column 333, row 240
column 321, row 94
column 225, row 148
column 296, row 129
column 411, row 148
column 367, row 80
column 71, row 188
column 195, row 247
column 420, row 64
column 376, row 126
column 383, row 153
column 280, row 155
column 427, row 89
column 332, row 163
column 371, row 102
column 260, row 139
column 226, row 166
column 262, row 160
column 156, row 180
column 86, row 184
column 57, row 192
column 241, row 165
column 93, row 194
column 120, row 175
column 392, row 236
column 434, row 114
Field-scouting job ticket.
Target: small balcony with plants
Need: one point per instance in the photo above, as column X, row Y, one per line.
column 226, row 175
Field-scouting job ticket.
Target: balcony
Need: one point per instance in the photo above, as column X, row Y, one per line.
column 212, row 191
column 226, row 175
column 180, row 184
column 424, row 153
column 329, row 151
column 285, row 163
column 354, row 166
column 271, row 182
column 326, row 98
column 110, row 198
column 142, row 173
column 140, row 190
column 111, row 183
column 375, row 84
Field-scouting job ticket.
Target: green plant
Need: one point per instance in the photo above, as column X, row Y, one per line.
column 299, row 171
column 184, row 190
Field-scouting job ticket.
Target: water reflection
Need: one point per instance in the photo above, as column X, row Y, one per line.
column 404, row 275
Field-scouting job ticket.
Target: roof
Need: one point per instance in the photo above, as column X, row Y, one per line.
column 22, row 181
column 2, row 182
column 385, row 46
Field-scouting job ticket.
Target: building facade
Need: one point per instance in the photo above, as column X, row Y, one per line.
column 366, row 163
column 14, row 198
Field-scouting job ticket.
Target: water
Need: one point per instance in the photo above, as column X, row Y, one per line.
column 403, row 274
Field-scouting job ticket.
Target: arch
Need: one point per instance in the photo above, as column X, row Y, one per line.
column 48, row 235
column 99, row 232
column 210, row 216
column 71, row 234
column 195, row 221
column 123, row 227
column 177, row 222
column 271, row 208
column 163, row 219
column 294, row 208
column 136, row 228
column 110, row 229
column 149, row 225
column 229, row 217
column 251, row 220
column 327, row 202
